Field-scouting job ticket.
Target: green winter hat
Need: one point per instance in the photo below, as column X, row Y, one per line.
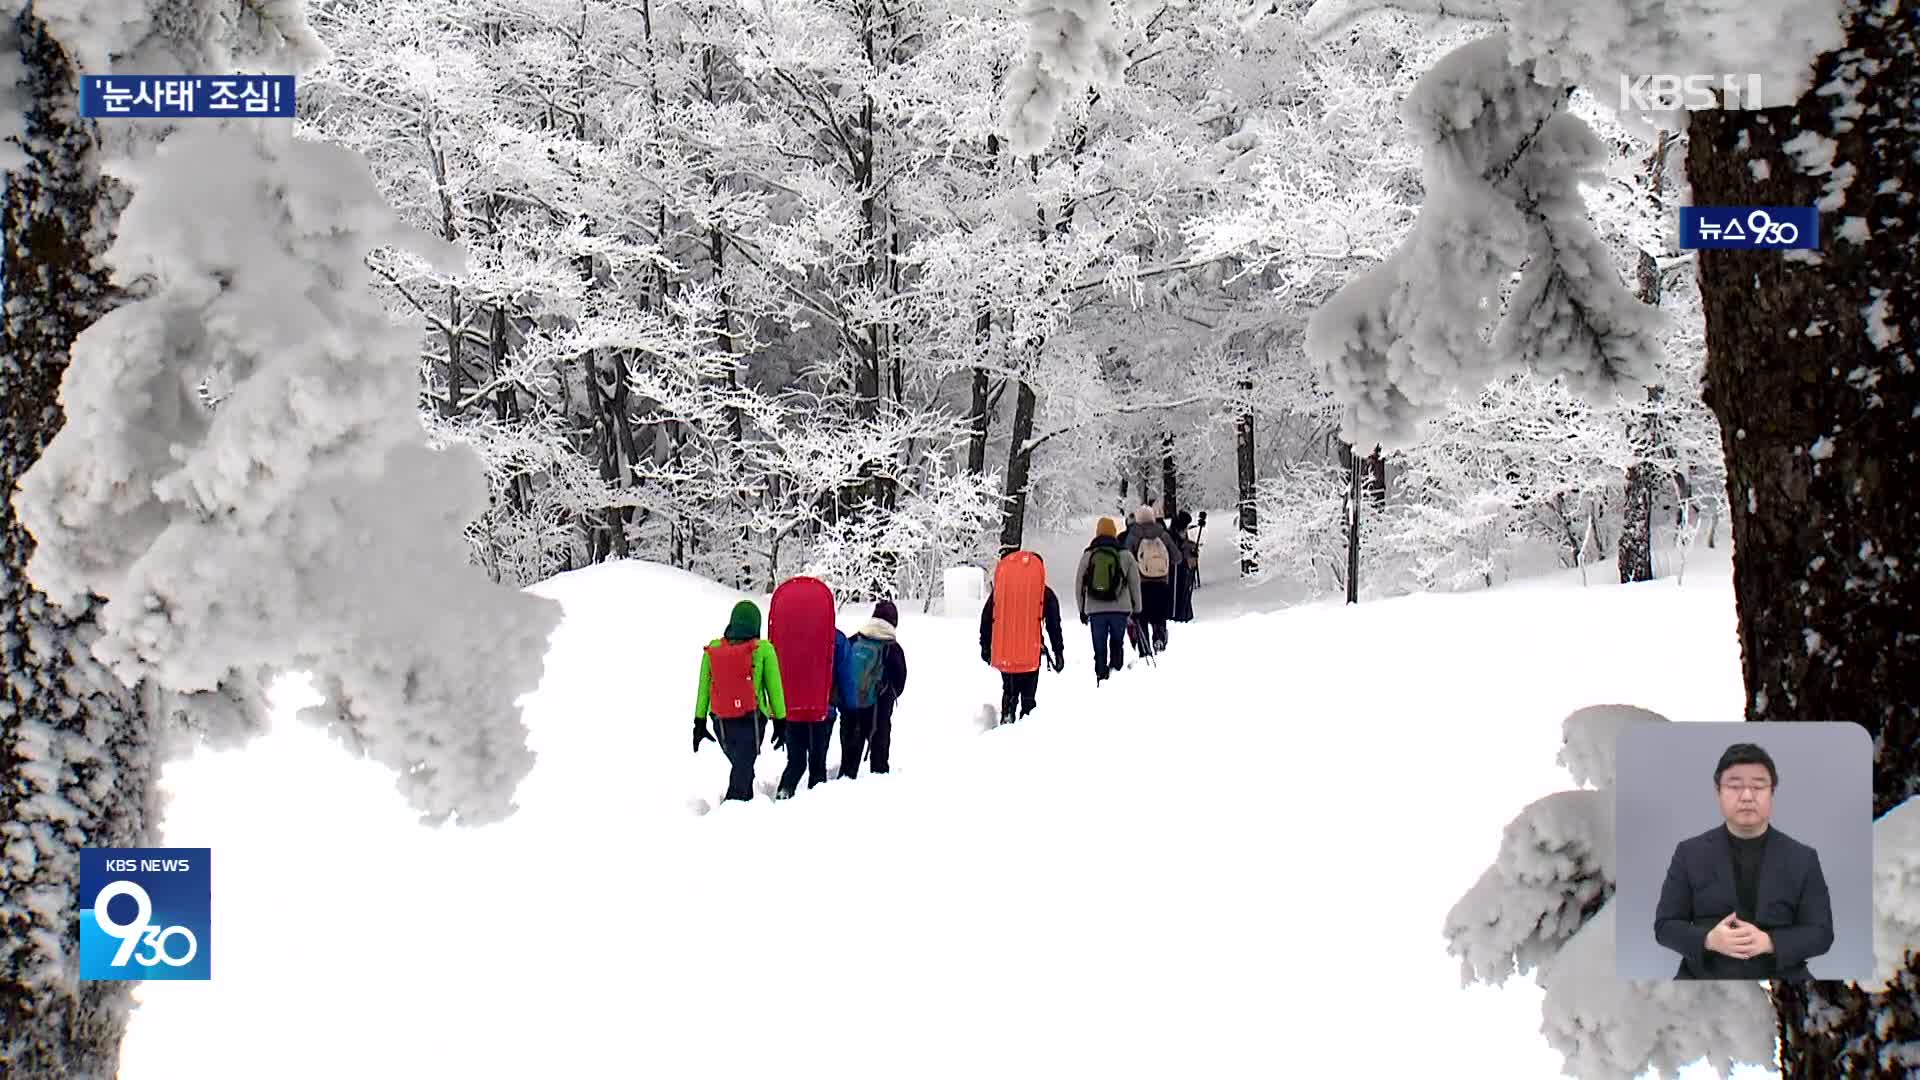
column 744, row 624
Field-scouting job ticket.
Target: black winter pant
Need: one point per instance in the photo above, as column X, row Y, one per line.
column 1109, row 642
column 859, row 726
column 1156, row 604
column 1017, row 691
column 806, row 753
column 740, row 741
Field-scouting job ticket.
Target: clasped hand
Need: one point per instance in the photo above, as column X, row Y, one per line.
column 1739, row 939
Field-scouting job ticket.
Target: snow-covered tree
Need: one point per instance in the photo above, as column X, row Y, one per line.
column 1810, row 368
column 1546, row 907
column 239, row 484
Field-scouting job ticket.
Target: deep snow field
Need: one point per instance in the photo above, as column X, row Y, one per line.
column 1234, row 864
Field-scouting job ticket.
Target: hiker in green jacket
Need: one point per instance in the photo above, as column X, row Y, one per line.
column 740, row 688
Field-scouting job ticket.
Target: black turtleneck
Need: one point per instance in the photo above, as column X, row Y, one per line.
column 1747, row 853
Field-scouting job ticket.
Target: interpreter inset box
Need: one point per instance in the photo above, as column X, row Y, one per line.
column 1745, row 851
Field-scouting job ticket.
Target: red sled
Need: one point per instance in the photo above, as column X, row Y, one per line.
column 1019, row 601
column 800, row 625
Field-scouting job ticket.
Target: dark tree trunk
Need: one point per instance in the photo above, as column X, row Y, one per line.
column 607, row 536
column 1819, row 431
column 53, row 799
column 1019, row 464
column 1169, row 479
column 1643, row 476
column 1377, row 479
column 979, row 412
column 1244, row 461
column 1351, row 461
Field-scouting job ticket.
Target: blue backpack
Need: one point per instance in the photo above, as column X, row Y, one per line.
column 866, row 663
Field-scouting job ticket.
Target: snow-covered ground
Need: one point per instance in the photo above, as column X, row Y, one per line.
column 1234, row 864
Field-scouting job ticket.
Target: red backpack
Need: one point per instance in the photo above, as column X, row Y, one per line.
column 730, row 666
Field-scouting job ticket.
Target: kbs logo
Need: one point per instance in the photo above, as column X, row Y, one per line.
column 1664, row 93
column 145, row 913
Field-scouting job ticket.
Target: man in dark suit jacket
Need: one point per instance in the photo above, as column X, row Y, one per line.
column 1744, row 900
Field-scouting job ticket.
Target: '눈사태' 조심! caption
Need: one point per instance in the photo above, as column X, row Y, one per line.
column 1745, row 851
column 156, row 97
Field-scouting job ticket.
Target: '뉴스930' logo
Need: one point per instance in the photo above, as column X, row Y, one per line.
column 145, row 913
column 140, row 930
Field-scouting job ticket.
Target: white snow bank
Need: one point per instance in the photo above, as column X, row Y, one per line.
column 1136, row 882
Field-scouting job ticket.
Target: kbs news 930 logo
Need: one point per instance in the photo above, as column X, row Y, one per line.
column 145, row 913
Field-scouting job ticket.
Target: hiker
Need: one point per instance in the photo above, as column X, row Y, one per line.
column 740, row 688
column 806, row 738
column 869, row 683
column 1188, row 575
column 811, row 648
column 1108, row 596
column 1158, row 556
column 1010, row 639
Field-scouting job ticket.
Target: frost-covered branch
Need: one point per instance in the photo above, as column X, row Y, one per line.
column 1503, row 165
column 304, row 523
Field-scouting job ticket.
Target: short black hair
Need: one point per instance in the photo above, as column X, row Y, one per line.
column 1745, row 753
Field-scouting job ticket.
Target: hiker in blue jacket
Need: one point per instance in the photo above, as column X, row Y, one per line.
column 868, row 684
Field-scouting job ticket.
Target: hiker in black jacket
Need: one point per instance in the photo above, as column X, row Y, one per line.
column 1158, row 556
column 1189, row 555
column 1018, row 689
column 866, row 711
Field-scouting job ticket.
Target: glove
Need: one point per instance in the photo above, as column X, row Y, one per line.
column 1059, row 664
column 700, row 732
column 779, row 734
column 1083, row 619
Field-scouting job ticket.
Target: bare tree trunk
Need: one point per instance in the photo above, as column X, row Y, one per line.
column 1819, row 431
column 1351, row 461
column 1019, row 464
column 1636, row 536
column 978, row 410
column 1243, row 453
column 77, row 750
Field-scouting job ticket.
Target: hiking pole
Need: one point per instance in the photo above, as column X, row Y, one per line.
column 1197, row 534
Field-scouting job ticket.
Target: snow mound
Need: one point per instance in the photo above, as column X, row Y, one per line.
column 1896, row 891
column 1611, row 1028
column 1592, row 738
column 1555, row 866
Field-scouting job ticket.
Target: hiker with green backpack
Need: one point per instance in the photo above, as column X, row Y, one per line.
column 740, row 689
column 1109, row 597
column 867, row 685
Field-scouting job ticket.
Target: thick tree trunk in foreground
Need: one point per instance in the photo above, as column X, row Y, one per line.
column 76, row 760
column 1820, row 432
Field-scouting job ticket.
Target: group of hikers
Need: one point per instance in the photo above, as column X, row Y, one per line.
column 1129, row 584
column 801, row 679
column 806, row 675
